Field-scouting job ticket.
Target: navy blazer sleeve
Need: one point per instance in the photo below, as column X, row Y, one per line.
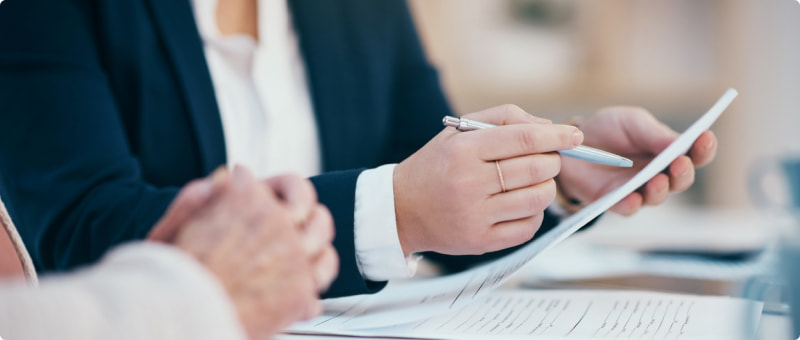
column 66, row 170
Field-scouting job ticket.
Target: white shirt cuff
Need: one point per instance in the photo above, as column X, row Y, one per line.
column 378, row 252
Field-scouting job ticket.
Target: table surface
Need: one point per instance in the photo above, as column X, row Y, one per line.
column 775, row 322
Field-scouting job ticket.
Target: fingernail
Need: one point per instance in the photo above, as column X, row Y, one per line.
column 577, row 137
column 684, row 171
column 219, row 176
column 240, row 174
column 205, row 187
column 708, row 145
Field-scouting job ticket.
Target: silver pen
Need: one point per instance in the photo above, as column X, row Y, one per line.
column 580, row 152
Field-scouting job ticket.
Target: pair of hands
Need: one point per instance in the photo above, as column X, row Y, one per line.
column 268, row 243
column 448, row 195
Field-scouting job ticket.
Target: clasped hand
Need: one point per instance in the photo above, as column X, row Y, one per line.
column 268, row 243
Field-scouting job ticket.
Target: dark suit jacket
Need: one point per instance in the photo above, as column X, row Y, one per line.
column 107, row 109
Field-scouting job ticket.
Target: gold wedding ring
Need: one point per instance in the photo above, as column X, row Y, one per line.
column 500, row 174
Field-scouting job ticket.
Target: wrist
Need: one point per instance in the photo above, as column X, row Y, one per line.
column 404, row 235
column 404, row 217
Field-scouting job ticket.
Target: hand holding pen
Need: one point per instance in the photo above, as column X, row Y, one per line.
column 579, row 152
column 481, row 191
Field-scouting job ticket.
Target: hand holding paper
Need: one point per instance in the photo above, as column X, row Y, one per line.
column 634, row 133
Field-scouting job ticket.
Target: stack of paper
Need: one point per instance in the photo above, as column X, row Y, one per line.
column 568, row 314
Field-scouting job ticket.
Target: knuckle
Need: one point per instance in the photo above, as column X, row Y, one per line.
column 295, row 179
column 307, row 186
column 527, row 139
column 549, row 193
column 525, row 234
column 535, row 171
column 534, row 202
column 464, row 146
column 450, row 152
column 327, row 270
column 551, row 167
column 638, row 110
column 334, row 262
column 290, row 178
column 556, row 159
column 520, row 235
column 325, row 219
column 536, row 222
column 330, row 259
column 221, row 179
column 542, row 196
column 454, row 153
column 512, row 109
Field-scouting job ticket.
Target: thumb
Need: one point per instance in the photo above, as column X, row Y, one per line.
column 296, row 192
column 188, row 201
column 190, row 198
column 650, row 134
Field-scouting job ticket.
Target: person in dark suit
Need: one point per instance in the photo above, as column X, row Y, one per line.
column 110, row 107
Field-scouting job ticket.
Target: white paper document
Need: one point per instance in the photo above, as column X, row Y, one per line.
column 583, row 314
column 402, row 303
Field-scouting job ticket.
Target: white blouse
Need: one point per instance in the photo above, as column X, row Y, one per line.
column 269, row 125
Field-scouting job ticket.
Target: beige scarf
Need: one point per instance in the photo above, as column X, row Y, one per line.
column 10, row 232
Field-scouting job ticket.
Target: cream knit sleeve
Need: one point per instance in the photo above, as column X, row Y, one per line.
column 138, row 291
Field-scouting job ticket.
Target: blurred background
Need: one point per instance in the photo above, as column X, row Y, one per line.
column 562, row 58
